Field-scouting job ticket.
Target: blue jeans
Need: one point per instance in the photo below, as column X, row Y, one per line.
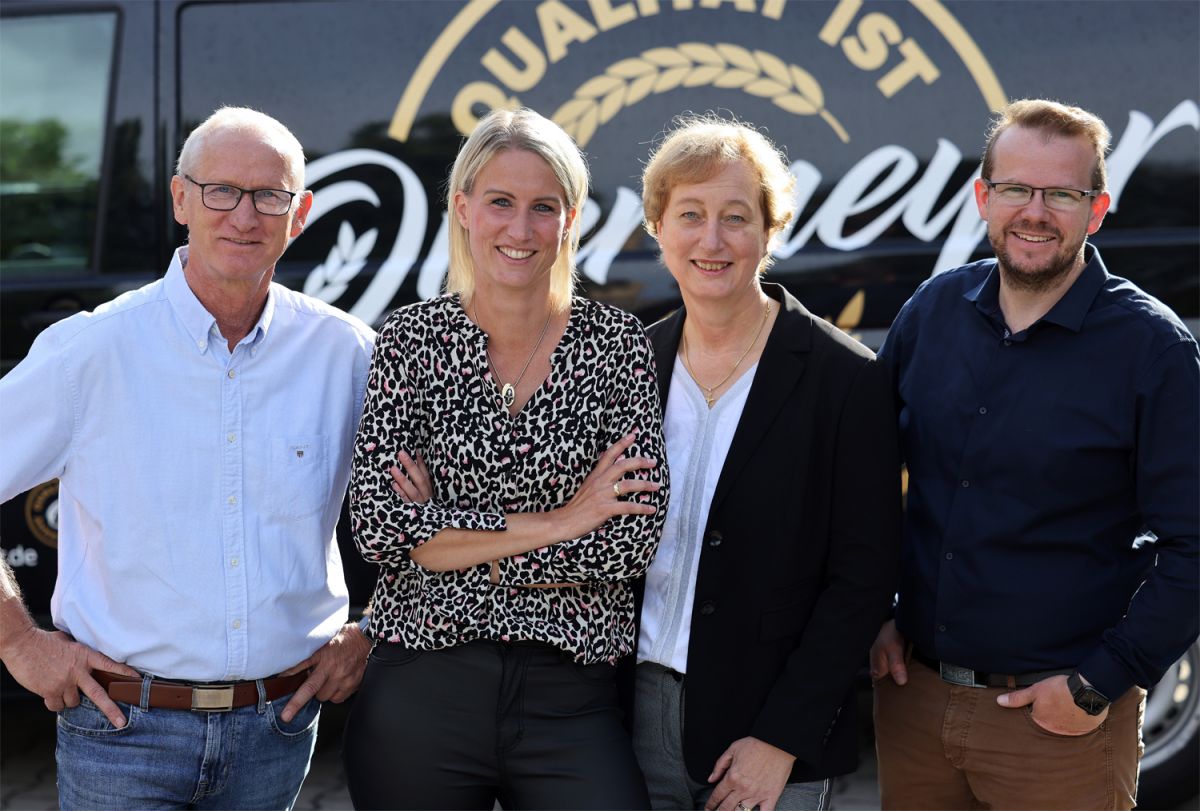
column 243, row 758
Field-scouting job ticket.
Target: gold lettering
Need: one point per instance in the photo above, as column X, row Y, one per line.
column 516, row 79
column 773, row 8
column 647, row 8
column 875, row 32
column 915, row 63
column 462, row 111
column 835, row 27
column 560, row 27
column 681, row 5
column 608, row 17
column 740, row 5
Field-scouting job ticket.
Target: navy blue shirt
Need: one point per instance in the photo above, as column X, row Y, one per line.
column 1041, row 465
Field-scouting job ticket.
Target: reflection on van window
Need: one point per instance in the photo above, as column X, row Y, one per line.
column 54, row 85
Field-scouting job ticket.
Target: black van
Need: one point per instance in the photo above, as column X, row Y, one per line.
column 881, row 106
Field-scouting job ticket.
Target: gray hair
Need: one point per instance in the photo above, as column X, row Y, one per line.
column 244, row 119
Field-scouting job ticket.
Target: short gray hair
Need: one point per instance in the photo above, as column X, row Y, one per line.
column 244, row 119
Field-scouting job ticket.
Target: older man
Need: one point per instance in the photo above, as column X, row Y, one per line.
column 200, row 428
column 1048, row 415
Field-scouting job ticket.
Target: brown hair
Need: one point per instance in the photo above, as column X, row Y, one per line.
column 1051, row 118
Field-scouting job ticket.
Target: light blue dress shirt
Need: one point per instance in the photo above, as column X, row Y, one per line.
column 199, row 487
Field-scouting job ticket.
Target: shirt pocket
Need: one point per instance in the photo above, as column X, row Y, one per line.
column 300, row 475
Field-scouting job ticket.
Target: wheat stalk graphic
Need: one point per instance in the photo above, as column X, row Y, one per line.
column 692, row 64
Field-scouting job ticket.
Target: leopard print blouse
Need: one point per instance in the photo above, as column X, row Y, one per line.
column 430, row 391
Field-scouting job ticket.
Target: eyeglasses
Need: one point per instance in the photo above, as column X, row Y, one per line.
column 223, row 197
column 1017, row 194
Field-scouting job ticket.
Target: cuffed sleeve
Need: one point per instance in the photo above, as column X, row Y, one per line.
column 1161, row 621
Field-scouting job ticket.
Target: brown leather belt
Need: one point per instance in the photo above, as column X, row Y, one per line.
column 174, row 695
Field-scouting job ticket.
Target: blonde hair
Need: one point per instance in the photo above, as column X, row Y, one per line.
column 1051, row 118
column 244, row 119
column 523, row 129
column 697, row 147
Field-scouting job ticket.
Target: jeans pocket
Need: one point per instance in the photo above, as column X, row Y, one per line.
column 1028, row 712
column 392, row 654
column 300, row 725
column 87, row 720
column 599, row 673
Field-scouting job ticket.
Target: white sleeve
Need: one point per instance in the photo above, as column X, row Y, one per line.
column 37, row 418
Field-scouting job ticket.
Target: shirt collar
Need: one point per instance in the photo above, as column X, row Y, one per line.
column 199, row 322
column 1069, row 311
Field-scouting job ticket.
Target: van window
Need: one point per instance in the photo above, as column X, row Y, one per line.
column 55, row 73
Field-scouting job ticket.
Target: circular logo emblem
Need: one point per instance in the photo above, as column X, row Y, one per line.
column 41, row 513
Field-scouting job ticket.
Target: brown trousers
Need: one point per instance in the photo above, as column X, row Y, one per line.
column 949, row 747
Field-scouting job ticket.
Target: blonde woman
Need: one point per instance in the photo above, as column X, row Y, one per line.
column 531, row 490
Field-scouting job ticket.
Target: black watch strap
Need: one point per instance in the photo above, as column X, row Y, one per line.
column 1087, row 698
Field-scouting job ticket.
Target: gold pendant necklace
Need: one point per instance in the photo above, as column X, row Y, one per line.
column 508, row 391
column 709, row 397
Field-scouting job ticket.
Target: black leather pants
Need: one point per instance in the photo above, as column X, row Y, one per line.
column 466, row 726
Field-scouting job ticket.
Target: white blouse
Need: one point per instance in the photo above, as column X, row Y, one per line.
column 697, row 440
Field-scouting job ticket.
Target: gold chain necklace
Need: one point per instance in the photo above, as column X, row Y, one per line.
column 508, row 391
column 708, row 390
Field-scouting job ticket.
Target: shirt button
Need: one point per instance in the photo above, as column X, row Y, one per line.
column 232, row 374
column 237, row 624
column 708, row 607
column 966, row 483
column 983, row 409
column 949, row 556
column 232, row 499
column 941, row 629
column 232, row 438
column 714, row 538
column 1008, row 343
column 233, row 562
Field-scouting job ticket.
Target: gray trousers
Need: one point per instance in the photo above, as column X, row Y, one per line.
column 658, row 744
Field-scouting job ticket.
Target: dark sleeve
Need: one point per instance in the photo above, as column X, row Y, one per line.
column 864, row 543
column 623, row 546
column 1162, row 620
column 387, row 529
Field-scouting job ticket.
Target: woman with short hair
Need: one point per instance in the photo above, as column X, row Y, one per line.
column 530, row 491
column 777, row 560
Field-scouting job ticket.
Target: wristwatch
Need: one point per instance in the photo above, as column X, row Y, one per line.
column 1087, row 697
column 364, row 625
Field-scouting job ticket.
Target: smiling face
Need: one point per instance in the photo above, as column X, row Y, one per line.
column 238, row 249
column 1038, row 247
column 713, row 236
column 516, row 218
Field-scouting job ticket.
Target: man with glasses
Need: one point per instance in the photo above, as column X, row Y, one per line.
column 200, row 428
column 1048, row 414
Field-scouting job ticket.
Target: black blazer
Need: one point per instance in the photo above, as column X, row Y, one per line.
column 797, row 571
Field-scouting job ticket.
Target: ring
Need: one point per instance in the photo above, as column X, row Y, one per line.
column 742, row 807
column 617, row 492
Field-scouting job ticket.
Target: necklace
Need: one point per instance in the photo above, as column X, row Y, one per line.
column 709, row 397
column 508, row 391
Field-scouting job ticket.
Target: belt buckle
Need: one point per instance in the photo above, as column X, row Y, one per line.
column 957, row 675
column 213, row 698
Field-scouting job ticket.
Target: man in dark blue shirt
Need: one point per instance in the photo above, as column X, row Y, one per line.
column 1048, row 415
